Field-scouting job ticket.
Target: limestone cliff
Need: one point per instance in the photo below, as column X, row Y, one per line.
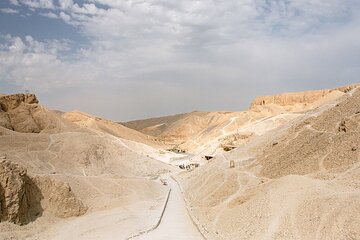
column 22, row 113
column 293, row 98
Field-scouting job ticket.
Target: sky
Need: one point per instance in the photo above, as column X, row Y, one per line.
column 134, row 59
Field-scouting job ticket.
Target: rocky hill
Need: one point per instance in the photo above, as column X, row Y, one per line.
column 206, row 131
column 287, row 168
column 324, row 142
column 24, row 198
column 304, row 98
column 115, row 129
column 53, row 169
column 155, row 126
column 22, row 113
column 299, row 181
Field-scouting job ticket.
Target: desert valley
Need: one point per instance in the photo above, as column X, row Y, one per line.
column 179, row 120
column 286, row 168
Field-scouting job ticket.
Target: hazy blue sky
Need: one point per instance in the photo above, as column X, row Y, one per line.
column 130, row 59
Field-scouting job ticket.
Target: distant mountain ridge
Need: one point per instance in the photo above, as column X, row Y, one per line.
column 192, row 130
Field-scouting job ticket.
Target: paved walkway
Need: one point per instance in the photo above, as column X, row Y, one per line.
column 176, row 223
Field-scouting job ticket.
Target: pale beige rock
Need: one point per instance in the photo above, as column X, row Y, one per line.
column 300, row 181
column 74, row 167
column 321, row 142
column 291, row 99
column 104, row 125
column 13, row 199
column 295, row 175
column 24, row 198
column 192, row 131
column 58, row 198
column 22, row 113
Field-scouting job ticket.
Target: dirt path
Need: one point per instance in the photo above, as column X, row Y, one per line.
column 176, row 223
column 231, row 122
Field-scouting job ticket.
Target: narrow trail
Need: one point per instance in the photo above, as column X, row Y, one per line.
column 176, row 223
column 231, row 122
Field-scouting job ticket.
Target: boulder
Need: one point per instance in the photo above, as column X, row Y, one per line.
column 24, row 198
column 13, row 201
column 58, row 198
column 22, row 113
column 16, row 113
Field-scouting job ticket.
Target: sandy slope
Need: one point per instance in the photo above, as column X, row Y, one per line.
column 114, row 182
column 110, row 127
column 297, row 173
column 155, row 126
column 205, row 131
column 300, row 181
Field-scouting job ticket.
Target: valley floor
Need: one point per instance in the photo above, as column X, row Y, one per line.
column 122, row 223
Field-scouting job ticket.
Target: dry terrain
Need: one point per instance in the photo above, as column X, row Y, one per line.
column 299, row 181
column 53, row 169
column 72, row 175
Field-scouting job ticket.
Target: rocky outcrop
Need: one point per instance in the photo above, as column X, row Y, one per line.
column 22, row 113
column 58, row 198
column 326, row 142
column 12, row 192
column 16, row 112
column 289, row 99
column 24, row 198
column 11, row 102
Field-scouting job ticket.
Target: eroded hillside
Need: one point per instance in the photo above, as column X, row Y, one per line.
column 110, row 127
column 299, row 181
column 295, row 173
column 53, row 169
column 205, row 132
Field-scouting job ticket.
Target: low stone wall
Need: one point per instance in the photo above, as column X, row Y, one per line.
column 157, row 223
column 201, row 228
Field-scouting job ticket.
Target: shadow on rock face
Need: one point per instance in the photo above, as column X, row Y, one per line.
column 24, row 198
column 2, row 198
column 20, row 198
column 31, row 204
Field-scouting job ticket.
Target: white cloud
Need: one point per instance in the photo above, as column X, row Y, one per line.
column 50, row 15
column 87, row 9
column 238, row 47
column 9, row 10
column 47, row 4
column 30, row 63
column 65, row 17
column 64, row 4
column 14, row 2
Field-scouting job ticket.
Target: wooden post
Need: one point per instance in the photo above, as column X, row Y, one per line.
column 232, row 163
